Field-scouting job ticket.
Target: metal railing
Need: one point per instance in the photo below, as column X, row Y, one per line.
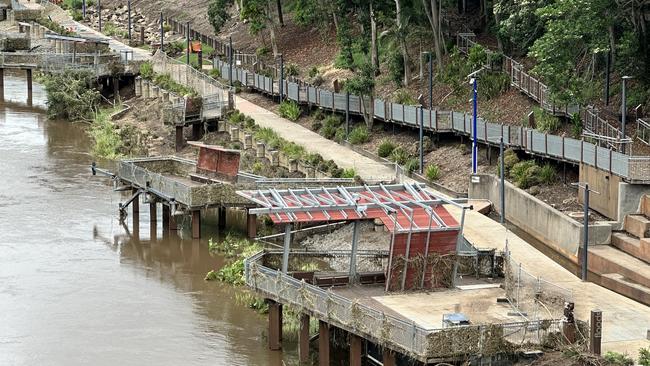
column 643, row 130
column 388, row 330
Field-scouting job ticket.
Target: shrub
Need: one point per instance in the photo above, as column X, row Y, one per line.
column 262, row 51
column 266, row 134
column 107, row 139
column 291, row 70
column 339, row 136
column 314, row 159
column 545, row 121
column 318, row 114
column 316, row 125
column 432, row 172
column 249, row 122
column 402, row 96
column 215, row 73
column 644, row 356
column 509, row 160
column 328, row 132
column 293, row 150
column 359, row 135
column 71, row 95
column 337, row 173
column 332, row 120
column 313, row 72
column 412, row 165
column 525, row 174
column 349, row 173
column 77, row 15
column 618, row 359
column 290, row 110
column 399, row 156
column 236, row 117
column 492, row 84
column 385, row 148
column 175, row 48
column 576, row 126
column 146, row 70
column 547, row 174
column 257, row 168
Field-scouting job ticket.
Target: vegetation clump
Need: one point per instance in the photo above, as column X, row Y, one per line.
column 289, row 110
column 359, row 135
column 432, row 172
column 385, row 148
column 71, row 95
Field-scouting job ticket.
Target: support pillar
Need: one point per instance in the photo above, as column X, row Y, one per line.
column 388, row 357
column 179, row 138
column 116, row 89
column 29, row 86
column 135, row 206
column 303, row 339
column 222, row 218
column 356, row 346
column 323, row 343
column 2, row 84
column 275, row 325
column 196, row 224
column 251, row 225
column 197, row 131
column 165, row 219
column 153, row 220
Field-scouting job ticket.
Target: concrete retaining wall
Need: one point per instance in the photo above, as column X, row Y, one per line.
column 548, row 225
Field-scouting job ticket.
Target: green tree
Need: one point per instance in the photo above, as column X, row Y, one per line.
column 363, row 85
column 218, row 13
column 260, row 14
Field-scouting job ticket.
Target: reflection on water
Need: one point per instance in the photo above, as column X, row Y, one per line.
column 77, row 288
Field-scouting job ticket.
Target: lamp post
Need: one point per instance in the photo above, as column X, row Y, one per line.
column 188, row 43
column 83, row 9
column 99, row 12
column 474, row 83
column 624, row 110
column 281, row 84
column 421, row 118
column 585, row 228
column 502, row 175
column 128, row 7
column 162, row 33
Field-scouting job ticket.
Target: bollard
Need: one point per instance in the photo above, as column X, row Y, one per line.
column 275, row 158
column 293, row 165
column 248, row 141
column 234, row 134
column 138, row 86
column 165, row 96
column 311, row 172
column 145, row 89
column 260, row 149
column 155, row 91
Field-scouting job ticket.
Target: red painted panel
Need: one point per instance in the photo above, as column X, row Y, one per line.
column 221, row 162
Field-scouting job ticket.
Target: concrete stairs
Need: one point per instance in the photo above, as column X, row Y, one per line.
column 624, row 266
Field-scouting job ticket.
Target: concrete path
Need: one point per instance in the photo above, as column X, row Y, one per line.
column 366, row 168
column 625, row 321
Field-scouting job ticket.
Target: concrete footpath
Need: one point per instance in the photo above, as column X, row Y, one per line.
column 625, row 321
column 366, row 168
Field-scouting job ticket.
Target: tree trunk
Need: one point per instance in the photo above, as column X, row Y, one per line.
column 374, row 49
column 280, row 18
column 272, row 30
column 497, row 21
column 402, row 41
column 612, row 44
column 433, row 14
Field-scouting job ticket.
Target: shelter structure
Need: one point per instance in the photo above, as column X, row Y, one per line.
column 421, row 229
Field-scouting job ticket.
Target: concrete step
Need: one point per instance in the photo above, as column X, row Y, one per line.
column 605, row 259
column 618, row 283
column 639, row 248
column 637, row 225
column 645, row 205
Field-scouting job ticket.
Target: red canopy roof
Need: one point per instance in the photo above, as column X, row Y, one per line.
column 402, row 208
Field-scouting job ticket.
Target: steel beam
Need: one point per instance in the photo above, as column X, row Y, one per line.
column 287, row 248
column 353, row 253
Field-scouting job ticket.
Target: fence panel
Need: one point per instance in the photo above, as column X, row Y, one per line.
column 325, row 98
column 602, row 156
column 494, row 133
column 554, row 145
column 411, row 115
column 355, row 104
column 572, row 149
column 620, row 164
column 538, row 142
column 293, row 91
column 458, row 122
column 379, row 109
column 589, row 153
column 311, row 94
column 339, row 102
column 398, row 115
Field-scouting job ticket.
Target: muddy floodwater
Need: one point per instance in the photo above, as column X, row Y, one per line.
column 77, row 288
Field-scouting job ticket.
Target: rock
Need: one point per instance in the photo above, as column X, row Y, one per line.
column 534, row 190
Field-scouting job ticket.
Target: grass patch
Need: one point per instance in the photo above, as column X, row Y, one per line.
column 385, row 148
column 289, row 110
column 107, row 139
column 432, row 172
column 399, row 156
column 359, row 135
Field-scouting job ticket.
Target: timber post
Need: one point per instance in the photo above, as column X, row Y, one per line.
column 323, row 343
column 29, row 86
column 303, row 339
column 2, row 84
column 251, row 224
column 275, row 325
column 196, row 224
column 179, row 138
column 356, row 345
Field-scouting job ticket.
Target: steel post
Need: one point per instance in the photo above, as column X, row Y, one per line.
column 99, row 12
column 30, row 86
column 251, row 225
column 275, row 325
column 353, row 252
column 83, row 9
column 188, row 43
column 221, row 224
column 230, row 57
column 430, row 81
column 474, row 128
column 585, row 230
column 503, row 181
column 287, row 248
column 281, row 86
column 624, row 111
column 162, row 33
column 421, row 138
column 128, row 10
column 347, row 115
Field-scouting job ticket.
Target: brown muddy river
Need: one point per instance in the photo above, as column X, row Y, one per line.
column 76, row 288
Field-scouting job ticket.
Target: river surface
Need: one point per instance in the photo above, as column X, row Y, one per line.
column 77, row 288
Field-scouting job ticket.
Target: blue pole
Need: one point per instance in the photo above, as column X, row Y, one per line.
column 83, row 8
column 474, row 130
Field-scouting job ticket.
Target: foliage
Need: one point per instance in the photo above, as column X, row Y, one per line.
column 359, row 135
column 363, row 83
column 402, row 96
column 330, row 126
column 477, row 57
column 76, row 4
column 110, row 29
column 339, row 136
column 525, row 174
column 492, row 84
column 293, row 150
column 215, row 73
column 166, row 82
column 644, row 356
column 432, row 172
column 313, row 72
column 385, row 148
column 289, row 110
column 174, row 48
column 349, row 173
column 399, row 156
column 314, row 159
column 218, row 13
column 291, row 70
column 618, row 359
column 545, row 121
column 106, row 137
column 146, row 70
column 71, row 95
column 54, row 26
column 547, row 174
column 519, row 24
column 77, row 15
column 509, row 160
column 576, row 126
column 412, row 165
column 262, row 51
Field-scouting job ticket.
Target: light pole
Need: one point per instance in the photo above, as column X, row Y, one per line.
column 162, row 33
column 83, row 9
column 585, row 228
column 473, row 81
column 421, row 117
column 128, row 7
column 99, row 12
column 428, row 54
column 624, row 110
column 503, row 181
column 188, row 43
